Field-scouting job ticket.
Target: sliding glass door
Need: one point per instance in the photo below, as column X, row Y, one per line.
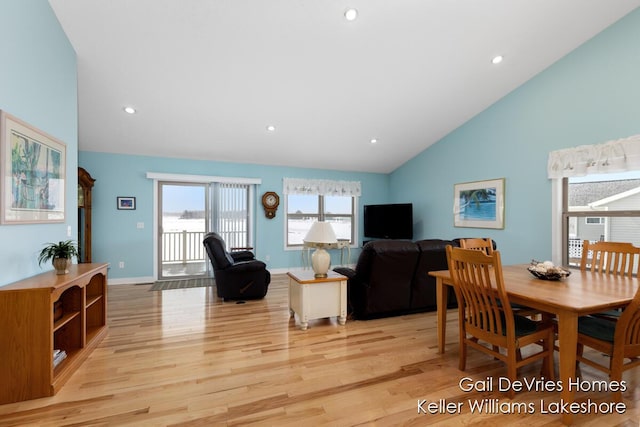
column 187, row 211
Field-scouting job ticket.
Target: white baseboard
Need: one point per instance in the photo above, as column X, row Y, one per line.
column 130, row 280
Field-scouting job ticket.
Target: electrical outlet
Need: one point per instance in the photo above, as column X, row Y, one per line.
column 68, row 231
column 121, row 264
column 267, row 257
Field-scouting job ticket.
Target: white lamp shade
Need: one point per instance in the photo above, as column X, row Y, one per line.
column 321, row 233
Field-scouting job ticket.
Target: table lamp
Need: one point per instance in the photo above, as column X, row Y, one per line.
column 320, row 236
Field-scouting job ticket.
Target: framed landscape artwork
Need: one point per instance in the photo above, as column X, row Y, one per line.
column 32, row 174
column 479, row 204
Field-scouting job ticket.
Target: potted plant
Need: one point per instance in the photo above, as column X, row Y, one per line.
column 60, row 254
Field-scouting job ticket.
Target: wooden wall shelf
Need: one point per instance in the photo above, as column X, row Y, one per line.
column 31, row 331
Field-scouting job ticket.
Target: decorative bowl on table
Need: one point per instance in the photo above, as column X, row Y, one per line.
column 547, row 271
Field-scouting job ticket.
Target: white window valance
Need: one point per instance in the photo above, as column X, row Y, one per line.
column 613, row 156
column 323, row 187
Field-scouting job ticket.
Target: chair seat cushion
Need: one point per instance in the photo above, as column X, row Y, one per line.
column 524, row 325
column 515, row 306
column 594, row 327
column 615, row 314
column 519, row 306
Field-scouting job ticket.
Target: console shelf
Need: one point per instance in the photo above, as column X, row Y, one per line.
column 66, row 318
column 44, row 313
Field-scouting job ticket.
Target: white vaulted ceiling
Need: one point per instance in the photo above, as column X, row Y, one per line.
column 207, row 77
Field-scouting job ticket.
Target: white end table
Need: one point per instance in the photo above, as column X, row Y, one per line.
column 317, row 298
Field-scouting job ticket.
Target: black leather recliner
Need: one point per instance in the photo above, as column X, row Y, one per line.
column 238, row 275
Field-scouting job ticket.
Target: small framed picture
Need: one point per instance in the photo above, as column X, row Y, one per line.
column 126, row 203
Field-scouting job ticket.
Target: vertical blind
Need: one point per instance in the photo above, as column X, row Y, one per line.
column 231, row 214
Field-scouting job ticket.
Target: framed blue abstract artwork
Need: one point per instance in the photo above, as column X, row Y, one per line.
column 479, row 204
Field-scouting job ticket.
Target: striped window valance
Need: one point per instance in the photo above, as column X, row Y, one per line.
column 323, row 187
column 613, row 156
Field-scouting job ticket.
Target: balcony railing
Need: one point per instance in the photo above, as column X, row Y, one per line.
column 183, row 246
column 575, row 249
column 186, row 246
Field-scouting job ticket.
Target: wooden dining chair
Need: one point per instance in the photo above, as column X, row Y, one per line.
column 485, row 315
column 619, row 339
column 481, row 244
column 616, row 258
column 485, row 244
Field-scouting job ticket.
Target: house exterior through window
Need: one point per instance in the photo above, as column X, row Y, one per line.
column 616, row 200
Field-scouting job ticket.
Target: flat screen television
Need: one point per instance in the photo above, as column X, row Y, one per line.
column 391, row 221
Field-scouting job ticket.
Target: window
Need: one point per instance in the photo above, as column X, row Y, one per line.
column 308, row 201
column 616, row 198
column 304, row 210
column 595, row 220
column 600, row 182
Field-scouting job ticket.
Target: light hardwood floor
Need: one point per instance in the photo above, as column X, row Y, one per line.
column 182, row 357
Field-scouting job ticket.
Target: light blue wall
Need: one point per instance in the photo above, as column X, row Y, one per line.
column 590, row 96
column 38, row 85
column 116, row 238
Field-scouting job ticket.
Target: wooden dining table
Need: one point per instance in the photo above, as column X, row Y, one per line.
column 579, row 294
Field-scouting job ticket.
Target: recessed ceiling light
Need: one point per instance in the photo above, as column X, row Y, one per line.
column 374, row 141
column 497, row 59
column 271, row 128
column 351, row 14
column 129, row 110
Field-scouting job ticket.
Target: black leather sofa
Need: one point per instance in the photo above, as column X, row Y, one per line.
column 390, row 277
